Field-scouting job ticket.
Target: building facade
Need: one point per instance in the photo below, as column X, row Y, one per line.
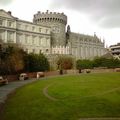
column 115, row 50
column 47, row 34
column 31, row 37
column 86, row 46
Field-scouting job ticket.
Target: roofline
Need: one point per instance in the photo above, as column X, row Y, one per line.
column 17, row 19
column 8, row 14
column 31, row 23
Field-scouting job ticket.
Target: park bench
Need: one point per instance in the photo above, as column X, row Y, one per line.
column 3, row 81
column 40, row 74
column 23, row 76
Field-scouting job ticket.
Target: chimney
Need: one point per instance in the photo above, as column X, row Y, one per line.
column 9, row 12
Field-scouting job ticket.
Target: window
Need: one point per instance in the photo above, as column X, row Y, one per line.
column 33, row 28
column 0, row 47
column 40, row 38
column 1, row 35
column 10, row 37
column 46, row 30
column 19, row 26
column 40, row 29
column 9, row 24
column 27, row 50
column 47, row 41
column 1, row 22
column 19, row 38
column 26, row 39
column 40, row 51
column 33, row 39
column 33, row 50
column 26, row 27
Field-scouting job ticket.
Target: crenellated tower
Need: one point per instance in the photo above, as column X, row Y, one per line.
column 57, row 22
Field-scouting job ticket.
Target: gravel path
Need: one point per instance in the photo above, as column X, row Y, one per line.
column 5, row 90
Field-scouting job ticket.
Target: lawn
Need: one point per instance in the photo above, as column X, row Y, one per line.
column 66, row 98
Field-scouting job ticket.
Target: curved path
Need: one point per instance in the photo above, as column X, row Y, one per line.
column 45, row 92
column 5, row 90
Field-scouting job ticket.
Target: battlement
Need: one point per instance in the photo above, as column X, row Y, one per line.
column 50, row 17
column 47, row 12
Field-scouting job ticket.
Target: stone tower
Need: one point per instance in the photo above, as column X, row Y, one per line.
column 57, row 22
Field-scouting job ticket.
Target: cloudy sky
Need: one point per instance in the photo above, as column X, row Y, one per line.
column 84, row 16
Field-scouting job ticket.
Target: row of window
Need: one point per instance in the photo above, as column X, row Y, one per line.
column 9, row 23
column 32, row 28
column 24, row 26
column 10, row 36
column 33, row 40
column 36, row 51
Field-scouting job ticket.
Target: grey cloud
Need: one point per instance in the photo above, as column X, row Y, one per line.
column 110, row 22
column 5, row 2
column 104, row 12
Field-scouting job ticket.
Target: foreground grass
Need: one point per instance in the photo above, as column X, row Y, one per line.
column 85, row 95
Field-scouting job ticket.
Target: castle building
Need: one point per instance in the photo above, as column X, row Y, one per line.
column 47, row 34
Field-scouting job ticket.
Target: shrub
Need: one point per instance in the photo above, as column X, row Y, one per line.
column 36, row 62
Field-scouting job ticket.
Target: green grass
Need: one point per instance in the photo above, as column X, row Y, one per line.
column 84, row 95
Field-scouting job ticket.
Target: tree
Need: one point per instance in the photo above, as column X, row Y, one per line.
column 36, row 62
column 12, row 60
column 65, row 62
column 84, row 64
column 105, row 62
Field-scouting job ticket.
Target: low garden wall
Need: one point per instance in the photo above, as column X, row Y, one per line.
column 95, row 70
column 11, row 78
column 54, row 73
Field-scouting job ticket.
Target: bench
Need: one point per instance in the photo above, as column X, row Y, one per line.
column 40, row 74
column 3, row 81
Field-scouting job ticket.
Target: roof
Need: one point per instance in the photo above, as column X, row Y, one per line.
column 108, row 55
